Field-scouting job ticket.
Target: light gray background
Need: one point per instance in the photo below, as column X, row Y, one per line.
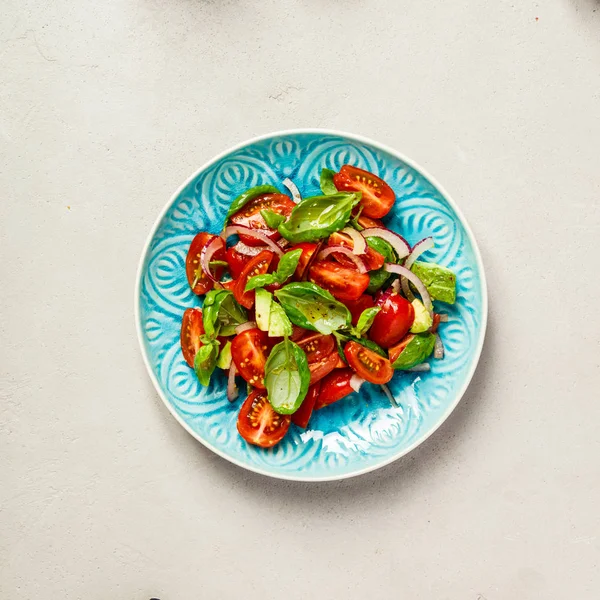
column 106, row 107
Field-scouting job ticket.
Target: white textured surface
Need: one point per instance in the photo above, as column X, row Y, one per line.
column 105, row 107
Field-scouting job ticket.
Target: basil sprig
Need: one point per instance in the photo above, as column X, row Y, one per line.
column 221, row 313
column 287, row 377
column 317, row 217
column 312, row 307
column 285, row 269
column 272, row 219
column 205, row 361
column 326, row 182
column 247, row 196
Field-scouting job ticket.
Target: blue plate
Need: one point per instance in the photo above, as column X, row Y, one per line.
column 361, row 432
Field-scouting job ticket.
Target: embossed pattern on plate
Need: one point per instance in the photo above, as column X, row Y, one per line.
column 363, row 431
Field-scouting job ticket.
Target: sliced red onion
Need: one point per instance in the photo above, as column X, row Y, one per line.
column 358, row 241
column 358, row 263
column 438, row 349
column 355, row 382
column 386, row 391
column 418, row 249
column 396, row 286
column 404, row 272
column 443, row 317
column 207, row 253
column 248, row 250
column 237, row 229
column 406, row 289
column 245, row 326
column 294, row 191
column 283, row 243
column 232, row 388
column 422, row 368
column 398, row 243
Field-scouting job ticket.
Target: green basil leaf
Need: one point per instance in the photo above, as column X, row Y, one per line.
column 285, row 269
column 417, row 348
column 366, row 319
column 205, row 362
column 224, row 360
column 439, row 281
column 326, row 182
column 272, row 219
column 317, row 217
column 287, row 377
column 221, row 313
column 349, row 336
column 354, row 220
column 340, row 348
column 312, row 307
column 380, row 277
column 248, row 195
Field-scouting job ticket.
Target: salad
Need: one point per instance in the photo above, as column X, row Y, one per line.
column 315, row 297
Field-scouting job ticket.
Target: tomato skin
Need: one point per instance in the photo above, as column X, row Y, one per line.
column 356, row 307
column 436, row 322
column 369, row 223
column 321, row 368
column 395, row 351
column 377, row 196
column 334, row 387
column 236, row 261
column 192, row 327
column 249, row 351
column 302, row 416
column 316, row 346
column 372, row 259
column 249, row 216
column 309, row 250
column 368, row 364
column 393, row 321
column 193, row 268
column 344, row 283
column 257, row 266
column 259, row 424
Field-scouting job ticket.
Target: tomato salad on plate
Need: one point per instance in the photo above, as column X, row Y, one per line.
column 315, row 298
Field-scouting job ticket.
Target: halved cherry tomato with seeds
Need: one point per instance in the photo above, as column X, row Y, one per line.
column 393, row 321
column 249, row 216
column 334, row 387
column 316, row 346
column 249, row 351
column 356, row 307
column 259, row 424
column 377, row 196
column 192, row 328
column 368, row 364
column 344, row 283
column 323, row 367
column 372, row 259
column 302, row 416
column 257, row 266
column 197, row 278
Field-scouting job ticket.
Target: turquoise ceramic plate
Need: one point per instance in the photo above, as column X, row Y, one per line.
column 361, row 432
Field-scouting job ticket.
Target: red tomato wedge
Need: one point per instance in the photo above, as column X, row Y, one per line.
column 323, row 367
column 372, row 259
column 393, row 321
column 334, row 387
column 368, row 223
column 316, row 346
column 368, row 364
column 395, row 351
column 257, row 266
column 344, row 283
column 249, row 216
column 249, row 351
column 377, row 196
column 308, row 254
column 192, row 328
column 259, row 424
column 356, row 307
column 236, row 261
column 197, row 278
column 302, row 416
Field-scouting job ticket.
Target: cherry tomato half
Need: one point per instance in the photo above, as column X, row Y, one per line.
column 316, row 346
column 323, row 367
column 197, row 278
column 377, row 196
column 249, row 351
column 309, row 251
column 368, row 223
column 356, row 307
column 302, row 416
column 372, row 259
column 334, row 387
column 192, row 328
column 259, row 424
column 257, row 266
column 393, row 321
column 368, row 364
column 249, row 216
column 344, row 283
column 395, row 351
